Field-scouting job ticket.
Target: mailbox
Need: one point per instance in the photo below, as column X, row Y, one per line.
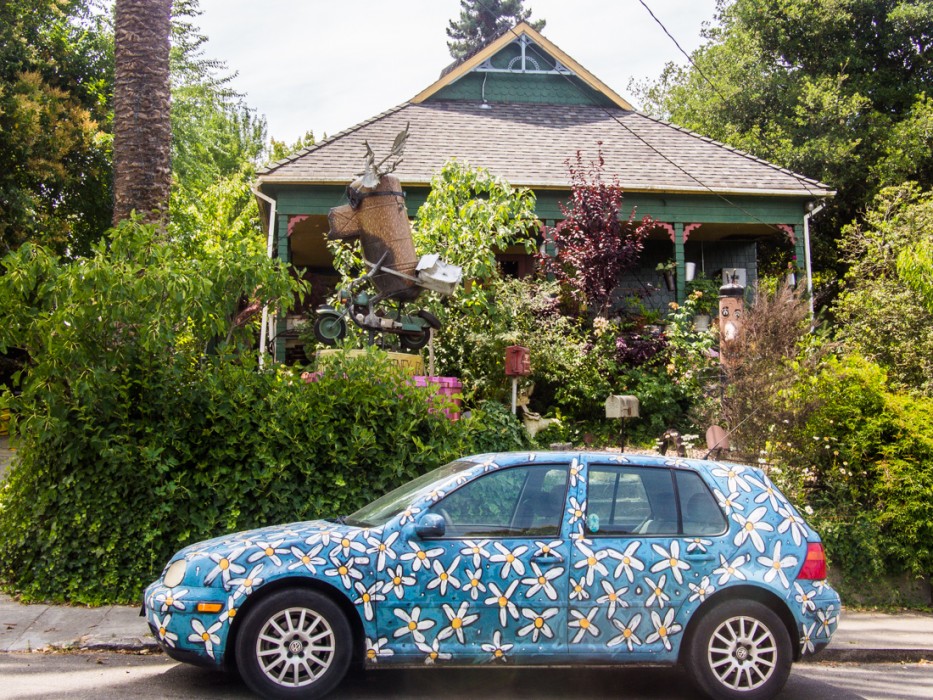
column 517, row 361
column 621, row 406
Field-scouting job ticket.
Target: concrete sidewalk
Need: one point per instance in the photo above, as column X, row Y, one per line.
column 862, row 637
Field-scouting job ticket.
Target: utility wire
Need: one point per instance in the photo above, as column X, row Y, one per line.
column 535, row 49
column 681, row 49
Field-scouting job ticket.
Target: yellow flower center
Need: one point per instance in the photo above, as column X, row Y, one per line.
column 627, row 633
column 591, row 561
column 433, row 655
column 510, row 558
column 248, row 583
column 224, row 564
column 662, row 631
column 584, row 623
column 422, row 555
column 475, row 550
column 545, row 550
column 305, row 559
column 577, row 513
column 382, row 547
column 539, row 622
column 673, row 562
column 776, row 565
column 542, row 580
column 342, row 570
column 626, row 561
column 498, row 653
column 344, row 543
column 749, row 526
column 577, row 588
column 412, row 625
column 161, row 631
column 231, row 612
column 443, row 576
column 370, row 653
column 169, row 601
column 366, row 598
column 503, row 601
column 397, row 580
column 269, row 551
column 657, row 591
column 613, row 598
column 456, row 623
column 205, row 636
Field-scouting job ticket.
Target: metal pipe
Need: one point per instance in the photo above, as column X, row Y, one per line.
column 264, row 331
column 806, row 253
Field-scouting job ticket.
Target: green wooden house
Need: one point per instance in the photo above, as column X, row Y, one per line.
column 522, row 108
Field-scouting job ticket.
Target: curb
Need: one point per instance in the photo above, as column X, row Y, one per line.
column 871, row 656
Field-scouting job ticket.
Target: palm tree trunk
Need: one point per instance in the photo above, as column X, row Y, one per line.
column 142, row 129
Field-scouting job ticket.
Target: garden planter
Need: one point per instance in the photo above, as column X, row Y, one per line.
column 691, row 270
column 669, row 280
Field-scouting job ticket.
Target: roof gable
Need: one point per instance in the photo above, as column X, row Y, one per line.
column 522, row 66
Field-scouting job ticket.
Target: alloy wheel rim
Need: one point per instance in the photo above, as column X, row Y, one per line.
column 742, row 653
column 295, row 647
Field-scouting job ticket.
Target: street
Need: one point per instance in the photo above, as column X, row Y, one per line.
column 110, row 675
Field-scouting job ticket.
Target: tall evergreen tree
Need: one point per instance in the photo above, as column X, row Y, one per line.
column 481, row 21
column 142, row 137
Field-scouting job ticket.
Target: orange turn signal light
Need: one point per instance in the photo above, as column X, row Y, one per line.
column 210, row 607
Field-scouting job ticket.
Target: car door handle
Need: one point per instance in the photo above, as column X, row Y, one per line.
column 546, row 559
column 699, row 557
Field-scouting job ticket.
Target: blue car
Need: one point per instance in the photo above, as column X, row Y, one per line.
column 540, row 558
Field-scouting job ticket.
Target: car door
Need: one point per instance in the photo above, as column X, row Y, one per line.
column 494, row 585
column 630, row 571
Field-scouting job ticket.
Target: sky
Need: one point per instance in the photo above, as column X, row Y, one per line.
column 326, row 66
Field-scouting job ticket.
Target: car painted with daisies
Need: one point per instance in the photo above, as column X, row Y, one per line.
column 518, row 558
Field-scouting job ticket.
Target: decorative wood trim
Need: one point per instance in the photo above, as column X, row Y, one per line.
column 506, row 39
column 688, row 229
column 669, row 228
column 789, row 230
column 295, row 220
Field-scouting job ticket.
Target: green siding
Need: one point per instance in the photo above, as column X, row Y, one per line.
column 293, row 200
column 524, row 88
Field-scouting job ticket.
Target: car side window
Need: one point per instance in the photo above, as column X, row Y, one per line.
column 623, row 500
column 524, row 500
column 700, row 513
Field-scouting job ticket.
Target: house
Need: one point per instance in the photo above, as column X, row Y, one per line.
column 522, row 108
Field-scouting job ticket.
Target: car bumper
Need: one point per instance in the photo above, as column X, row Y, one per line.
column 183, row 632
column 818, row 619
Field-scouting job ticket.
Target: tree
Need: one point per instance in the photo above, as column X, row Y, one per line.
column 834, row 89
column 879, row 311
column 592, row 245
column 55, row 73
column 142, row 122
column 481, row 21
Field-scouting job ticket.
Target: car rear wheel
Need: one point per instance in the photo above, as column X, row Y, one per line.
column 294, row 644
column 740, row 649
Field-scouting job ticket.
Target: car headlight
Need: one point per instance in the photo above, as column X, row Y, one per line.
column 175, row 573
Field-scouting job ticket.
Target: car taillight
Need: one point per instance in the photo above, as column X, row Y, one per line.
column 814, row 566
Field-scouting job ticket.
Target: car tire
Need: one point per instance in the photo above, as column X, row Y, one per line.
column 294, row 644
column 739, row 649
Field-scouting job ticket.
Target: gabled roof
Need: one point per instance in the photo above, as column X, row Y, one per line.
column 531, row 127
column 490, row 50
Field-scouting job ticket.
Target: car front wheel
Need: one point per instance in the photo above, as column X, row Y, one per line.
column 740, row 649
column 294, row 644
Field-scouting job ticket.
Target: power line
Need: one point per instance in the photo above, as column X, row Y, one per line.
column 534, row 48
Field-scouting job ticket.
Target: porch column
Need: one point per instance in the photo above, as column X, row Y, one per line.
column 800, row 252
column 285, row 256
column 681, row 276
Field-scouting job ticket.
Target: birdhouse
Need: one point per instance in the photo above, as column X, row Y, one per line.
column 621, row 406
column 517, row 361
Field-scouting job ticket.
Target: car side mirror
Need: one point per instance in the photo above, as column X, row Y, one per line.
column 431, row 525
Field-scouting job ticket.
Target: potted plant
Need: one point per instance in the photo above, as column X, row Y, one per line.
column 705, row 293
column 666, row 269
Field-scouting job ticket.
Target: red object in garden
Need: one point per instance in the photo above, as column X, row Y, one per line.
column 446, row 386
column 517, row 361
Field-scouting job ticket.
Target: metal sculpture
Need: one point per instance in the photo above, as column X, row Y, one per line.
column 376, row 216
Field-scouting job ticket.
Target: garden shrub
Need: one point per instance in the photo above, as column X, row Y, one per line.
column 114, row 477
column 142, row 424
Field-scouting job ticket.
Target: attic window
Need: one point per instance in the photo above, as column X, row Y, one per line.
column 523, row 56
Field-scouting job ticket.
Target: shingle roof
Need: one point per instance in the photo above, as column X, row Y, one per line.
column 529, row 144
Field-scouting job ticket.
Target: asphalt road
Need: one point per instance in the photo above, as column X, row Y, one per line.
column 100, row 676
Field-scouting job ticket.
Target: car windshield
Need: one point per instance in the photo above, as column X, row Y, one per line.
column 382, row 509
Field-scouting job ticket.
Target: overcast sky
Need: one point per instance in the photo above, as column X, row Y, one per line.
column 326, row 66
